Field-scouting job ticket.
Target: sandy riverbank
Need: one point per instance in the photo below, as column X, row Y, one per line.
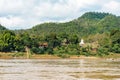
column 46, row 56
column 43, row 56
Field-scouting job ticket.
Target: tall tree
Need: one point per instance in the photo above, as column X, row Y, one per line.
column 7, row 39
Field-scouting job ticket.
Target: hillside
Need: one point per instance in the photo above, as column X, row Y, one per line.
column 100, row 32
column 88, row 23
column 2, row 27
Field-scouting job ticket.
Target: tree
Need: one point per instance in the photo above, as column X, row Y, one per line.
column 73, row 39
column 115, row 36
column 7, row 39
column 52, row 40
column 19, row 44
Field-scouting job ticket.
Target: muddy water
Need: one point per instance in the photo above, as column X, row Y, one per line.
column 59, row 69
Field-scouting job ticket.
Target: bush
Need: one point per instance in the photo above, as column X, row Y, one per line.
column 17, row 54
column 49, row 50
column 103, row 51
column 37, row 50
column 63, row 55
column 116, row 48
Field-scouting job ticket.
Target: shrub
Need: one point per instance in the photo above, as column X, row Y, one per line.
column 17, row 54
column 37, row 50
column 103, row 51
column 63, row 55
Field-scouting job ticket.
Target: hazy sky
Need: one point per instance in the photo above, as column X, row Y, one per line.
column 23, row 14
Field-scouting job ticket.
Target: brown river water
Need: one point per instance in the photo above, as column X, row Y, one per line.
column 59, row 69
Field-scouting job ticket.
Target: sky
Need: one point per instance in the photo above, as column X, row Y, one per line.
column 24, row 14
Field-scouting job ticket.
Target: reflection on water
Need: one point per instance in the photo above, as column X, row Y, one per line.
column 59, row 69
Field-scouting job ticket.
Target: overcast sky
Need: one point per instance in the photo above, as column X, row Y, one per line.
column 24, row 14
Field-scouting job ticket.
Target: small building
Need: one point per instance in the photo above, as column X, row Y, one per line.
column 81, row 43
column 43, row 45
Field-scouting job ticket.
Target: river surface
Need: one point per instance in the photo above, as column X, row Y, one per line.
column 59, row 69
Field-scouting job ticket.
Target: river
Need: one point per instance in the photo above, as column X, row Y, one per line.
column 59, row 69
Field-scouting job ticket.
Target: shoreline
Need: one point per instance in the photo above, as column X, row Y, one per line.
column 47, row 56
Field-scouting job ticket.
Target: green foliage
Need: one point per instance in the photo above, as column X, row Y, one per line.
column 52, row 40
column 19, row 44
column 18, row 54
column 94, row 15
column 7, row 39
column 2, row 28
column 38, row 50
column 116, row 48
column 63, row 55
column 115, row 37
column 101, row 30
column 73, row 39
column 108, row 23
column 103, row 51
column 89, row 23
column 49, row 51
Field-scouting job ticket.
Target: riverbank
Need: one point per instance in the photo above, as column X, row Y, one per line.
column 22, row 55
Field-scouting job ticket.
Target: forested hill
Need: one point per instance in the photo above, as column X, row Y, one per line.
column 2, row 27
column 100, row 31
column 88, row 23
column 94, row 15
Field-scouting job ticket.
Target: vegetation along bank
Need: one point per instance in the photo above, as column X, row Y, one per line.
column 99, row 32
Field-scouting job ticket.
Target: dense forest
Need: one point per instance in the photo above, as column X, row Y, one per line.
column 100, row 32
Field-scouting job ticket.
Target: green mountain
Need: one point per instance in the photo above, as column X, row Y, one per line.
column 100, row 30
column 2, row 27
column 94, row 15
column 88, row 23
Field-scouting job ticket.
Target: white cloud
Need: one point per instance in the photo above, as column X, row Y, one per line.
column 112, row 7
column 11, row 22
column 13, row 6
column 68, row 9
column 16, row 14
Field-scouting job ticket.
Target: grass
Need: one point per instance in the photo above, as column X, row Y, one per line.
column 112, row 55
column 10, row 55
column 23, row 55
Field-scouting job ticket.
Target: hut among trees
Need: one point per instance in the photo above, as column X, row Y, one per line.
column 43, row 45
column 81, row 43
